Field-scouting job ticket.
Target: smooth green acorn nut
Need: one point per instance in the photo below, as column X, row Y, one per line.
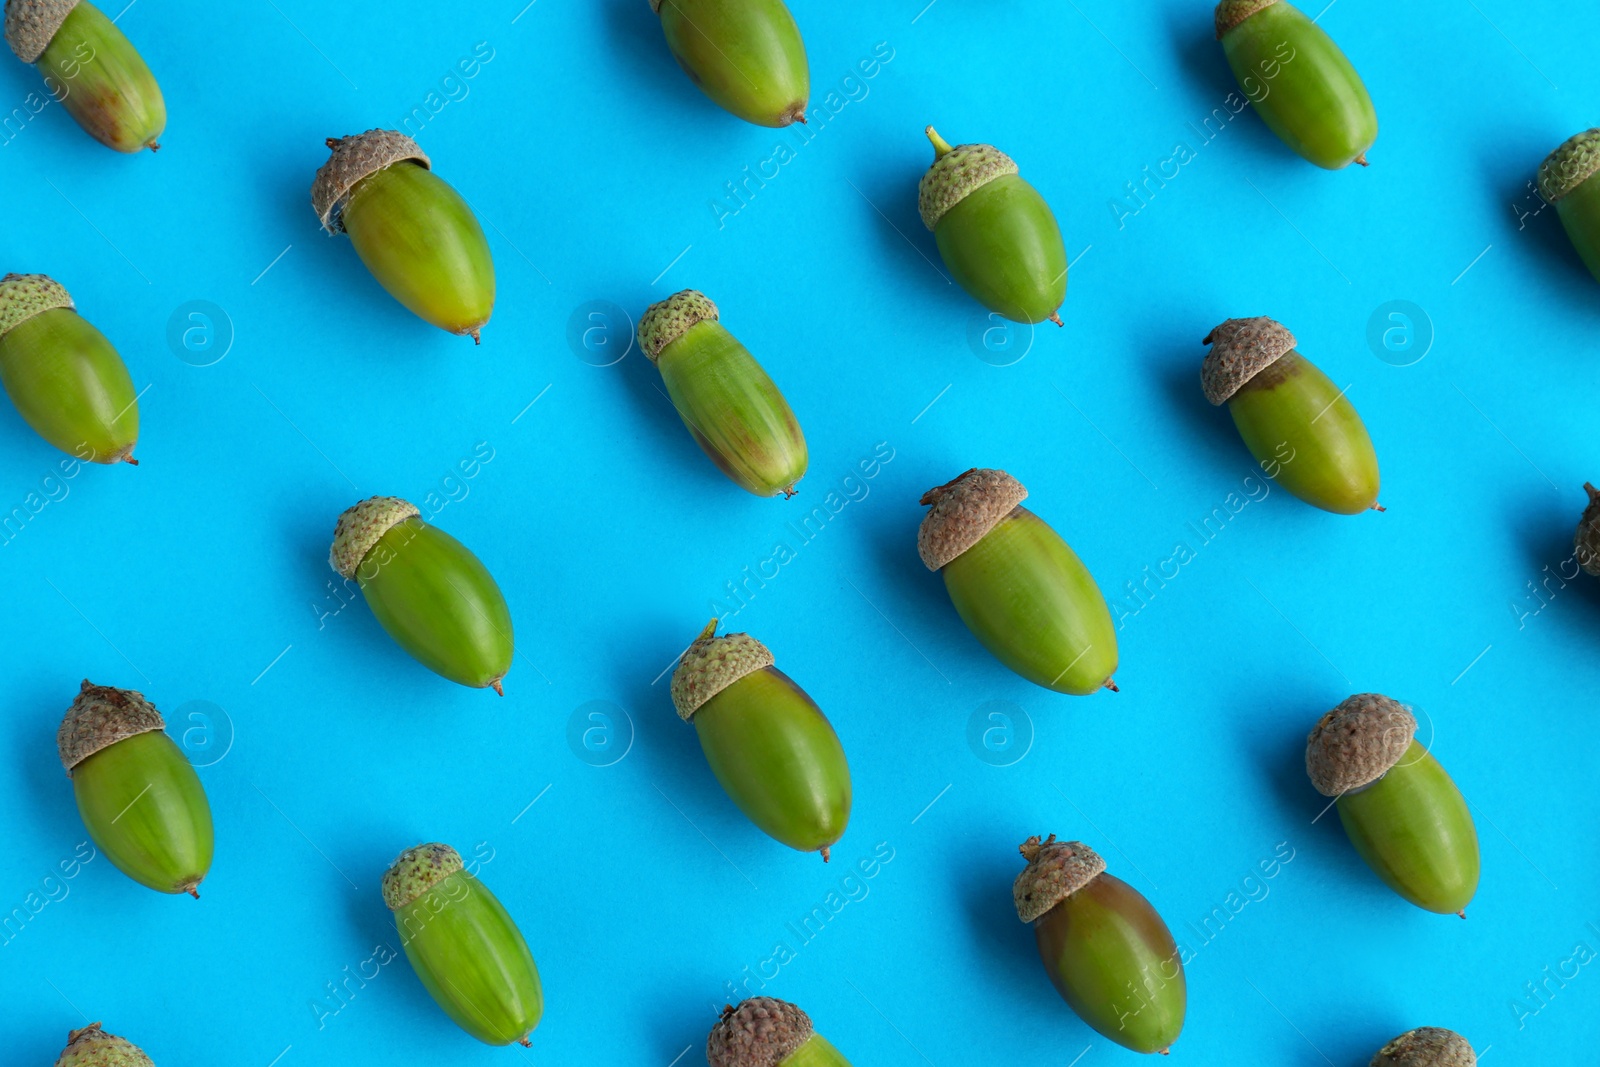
column 62, row 375
column 1401, row 811
column 1586, row 542
column 139, row 797
column 1108, row 953
column 1017, row 585
column 432, row 595
column 994, row 231
column 729, row 404
column 1300, row 426
column 1306, row 91
column 769, row 745
column 1427, row 1046
column 746, row 55
column 415, row 233
column 768, row 1032
column 1565, row 180
column 93, row 1047
column 464, row 945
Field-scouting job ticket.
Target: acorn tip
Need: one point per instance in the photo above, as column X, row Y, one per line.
column 941, row 147
column 789, row 491
column 129, row 459
column 524, row 1042
column 499, row 690
column 1361, row 160
column 1378, row 507
column 827, row 850
column 476, row 336
column 1462, row 913
column 1055, row 317
column 194, row 891
column 154, row 146
column 1111, row 685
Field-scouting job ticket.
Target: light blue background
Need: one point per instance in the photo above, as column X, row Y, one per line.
column 202, row 575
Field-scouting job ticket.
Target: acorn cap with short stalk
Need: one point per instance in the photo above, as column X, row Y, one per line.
column 32, row 24
column 93, row 1047
column 100, row 716
column 668, row 320
column 713, row 663
column 1357, row 743
column 360, row 527
column 1570, row 165
column 1241, row 349
column 1230, row 13
column 1427, row 1046
column 963, row 511
column 354, row 158
column 417, row 870
column 22, row 296
column 1586, row 542
column 955, row 173
column 1055, row 871
column 760, row 1032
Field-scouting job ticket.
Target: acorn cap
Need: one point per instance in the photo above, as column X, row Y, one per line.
column 1241, row 349
column 1586, row 542
column 760, row 1032
column 1055, row 871
column 1427, row 1046
column 359, row 528
column 22, row 296
column 1357, row 742
column 32, row 24
column 1230, row 13
column 354, row 158
column 99, row 717
column 1570, row 165
column 417, row 870
column 93, row 1047
column 955, row 173
column 711, row 664
column 670, row 319
column 964, row 510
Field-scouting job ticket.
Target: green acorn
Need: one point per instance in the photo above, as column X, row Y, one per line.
column 1586, row 542
column 140, row 799
column 464, row 946
column 1399, row 808
column 91, row 68
column 428, row 590
column 1426, row 1046
column 1017, row 585
column 1565, row 181
column 768, row 1032
column 768, row 743
column 729, row 404
column 746, row 55
column 415, row 233
column 63, row 375
column 93, row 1047
column 994, row 231
column 1305, row 89
column 1295, row 421
column 1106, row 950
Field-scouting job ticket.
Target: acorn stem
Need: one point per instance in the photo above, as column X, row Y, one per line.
column 941, row 147
column 499, row 690
column 1378, row 507
column 1362, row 159
column 826, row 852
column 1055, row 317
column 1111, row 685
column 709, row 632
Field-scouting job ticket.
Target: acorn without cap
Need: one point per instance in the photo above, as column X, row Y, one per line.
column 139, row 797
column 1299, row 425
column 1426, row 1046
column 768, row 743
column 1399, row 808
column 93, row 1047
column 1017, row 585
column 994, row 231
column 415, row 233
column 768, row 1032
column 1108, row 953
column 433, row 596
column 746, row 55
column 1586, row 542
column 1566, row 179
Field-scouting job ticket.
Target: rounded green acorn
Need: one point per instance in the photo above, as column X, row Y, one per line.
column 1295, row 421
column 1586, row 542
column 729, row 404
column 1017, row 585
column 768, row 743
column 1566, row 180
column 1306, row 90
column 62, row 374
column 1399, row 808
column 463, row 945
column 91, row 69
column 1106, row 950
column 93, row 1047
column 746, row 55
column 427, row 589
column 1427, row 1046
column 994, row 231
column 415, row 233
column 140, row 799
column 768, row 1032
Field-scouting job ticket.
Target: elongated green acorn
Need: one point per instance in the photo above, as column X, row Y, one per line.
column 1017, row 585
column 427, row 589
column 1566, row 179
column 768, row 1032
column 1107, row 952
column 1586, row 542
column 140, row 799
column 91, row 69
column 464, row 945
column 728, row 403
column 62, row 374
column 1427, row 1046
column 994, row 231
column 1301, row 83
column 1399, row 808
column 93, row 1047
column 768, row 743
column 1299, row 425
column 746, row 55
column 415, row 233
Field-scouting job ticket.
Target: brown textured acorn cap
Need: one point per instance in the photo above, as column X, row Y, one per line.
column 354, row 158
column 963, row 511
column 1570, row 165
column 1230, row 13
column 32, row 24
column 665, row 322
column 1427, row 1046
column 22, row 296
column 93, row 1047
column 955, row 174
column 1241, row 349
column 99, row 717
column 1055, row 871
column 760, row 1032
column 1357, row 742
column 359, row 528
column 417, row 870
column 1586, row 542
column 711, row 664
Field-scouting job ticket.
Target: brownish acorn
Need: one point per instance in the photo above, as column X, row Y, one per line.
column 1427, row 1046
column 1586, row 542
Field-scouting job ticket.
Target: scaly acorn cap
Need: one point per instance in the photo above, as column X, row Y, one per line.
column 665, row 322
column 99, row 717
column 22, row 296
column 955, row 173
column 760, row 1032
column 417, row 870
column 964, row 510
column 93, row 1047
column 1427, row 1046
column 1241, row 349
column 713, row 663
column 1055, row 871
column 32, row 24
column 1586, row 542
column 1357, row 742
column 360, row 527
column 1570, row 165
column 354, row 158
column 1230, row 13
